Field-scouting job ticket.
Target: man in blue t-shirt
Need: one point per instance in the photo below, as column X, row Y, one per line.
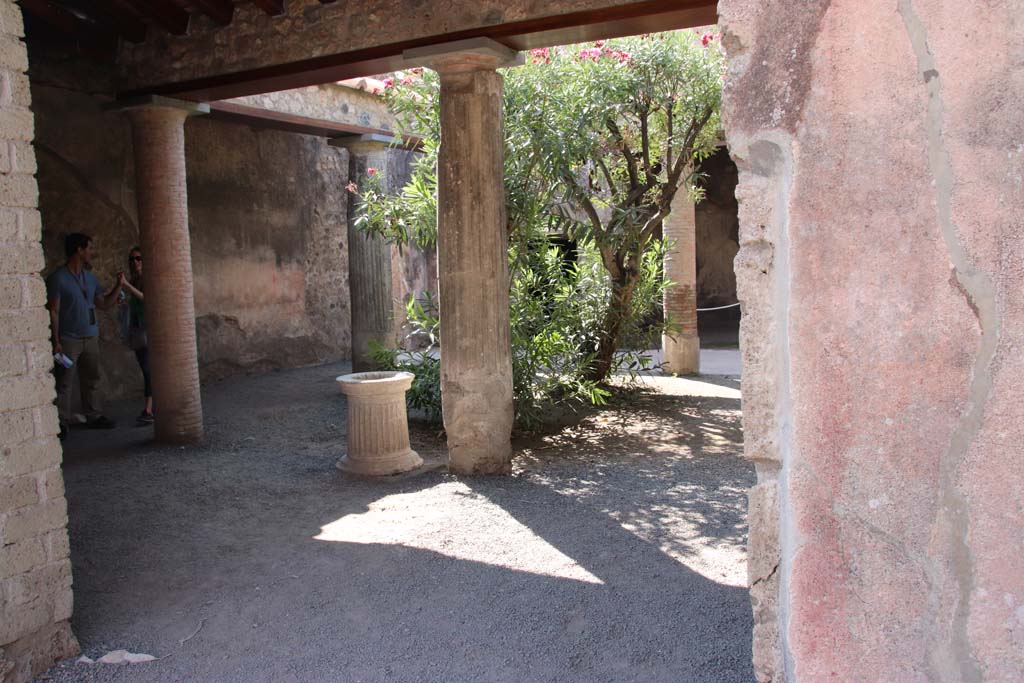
column 73, row 294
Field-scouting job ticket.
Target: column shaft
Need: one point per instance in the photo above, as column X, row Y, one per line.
column 476, row 361
column 158, row 136
column 369, row 269
column 681, row 349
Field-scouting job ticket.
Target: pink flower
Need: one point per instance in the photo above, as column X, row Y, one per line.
column 539, row 55
column 407, row 79
column 706, row 38
column 371, row 171
column 389, row 82
column 374, row 91
column 352, row 187
column 591, row 53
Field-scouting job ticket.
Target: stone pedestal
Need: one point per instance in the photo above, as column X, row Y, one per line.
column 378, row 427
column 476, row 358
column 681, row 350
column 158, row 139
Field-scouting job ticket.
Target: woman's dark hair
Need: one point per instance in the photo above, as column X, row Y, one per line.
column 74, row 242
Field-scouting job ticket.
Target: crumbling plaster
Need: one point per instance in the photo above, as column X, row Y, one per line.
column 880, row 158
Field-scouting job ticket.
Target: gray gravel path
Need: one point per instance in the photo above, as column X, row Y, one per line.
column 614, row 553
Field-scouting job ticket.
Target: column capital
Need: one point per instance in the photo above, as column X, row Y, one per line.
column 130, row 104
column 471, row 54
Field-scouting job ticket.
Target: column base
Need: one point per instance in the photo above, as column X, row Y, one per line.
column 681, row 355
column 381, row 465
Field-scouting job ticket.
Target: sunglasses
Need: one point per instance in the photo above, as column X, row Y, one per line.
column 136, row 258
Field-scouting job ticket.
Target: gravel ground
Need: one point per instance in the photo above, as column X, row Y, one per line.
column 614, row 552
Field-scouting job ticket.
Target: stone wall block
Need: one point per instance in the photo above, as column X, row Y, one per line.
column 11, row 293
column 12, row 361
column 24, row 325
column 18, row 493
column 11, row 22
column 20, row 257
column 22, row 157
column 17, row 124
column 29, row 456
column 17, row 425
column 25, row 391
column 13, row 55
column 56, row 545
column 35, row 521
column 30, row 223
column 18, row 558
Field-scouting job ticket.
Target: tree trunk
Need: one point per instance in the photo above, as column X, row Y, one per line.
column 619, row 305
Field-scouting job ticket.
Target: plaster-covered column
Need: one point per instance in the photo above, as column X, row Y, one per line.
column 681, row 349
column 158, row 138
column 476, row 360
column 369, row 258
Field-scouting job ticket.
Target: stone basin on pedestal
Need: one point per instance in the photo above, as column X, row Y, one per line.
column 378, row 427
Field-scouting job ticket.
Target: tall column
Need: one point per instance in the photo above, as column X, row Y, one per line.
column 369, row 258
column 158, row 138
column 681, row 349
column 476, row 358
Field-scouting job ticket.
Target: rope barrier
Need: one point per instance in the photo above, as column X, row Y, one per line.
column 718, row 308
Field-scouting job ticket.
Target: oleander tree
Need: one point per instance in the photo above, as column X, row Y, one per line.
column 599, row 139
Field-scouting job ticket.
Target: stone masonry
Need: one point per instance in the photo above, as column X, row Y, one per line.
column 35, row 569
column 881, row 272
column 681, row 349
column 476, row 356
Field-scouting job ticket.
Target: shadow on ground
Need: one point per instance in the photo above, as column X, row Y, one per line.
column 613, row 554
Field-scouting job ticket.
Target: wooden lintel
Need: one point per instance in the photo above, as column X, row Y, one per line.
column 648, row 16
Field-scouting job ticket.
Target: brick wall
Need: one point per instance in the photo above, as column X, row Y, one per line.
column 35, row 570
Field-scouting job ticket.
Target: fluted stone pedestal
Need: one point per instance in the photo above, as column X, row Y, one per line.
column 378, row 426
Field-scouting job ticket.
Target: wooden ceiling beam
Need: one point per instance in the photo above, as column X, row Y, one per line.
column 274, row 8
column 220, row 11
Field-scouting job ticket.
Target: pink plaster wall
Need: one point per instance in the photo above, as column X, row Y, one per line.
column 892, row 135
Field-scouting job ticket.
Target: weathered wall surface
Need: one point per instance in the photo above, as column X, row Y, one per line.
column 35, row 569
column 717, row 232
column 882, row 275
column 327, row 102
column 267, row 218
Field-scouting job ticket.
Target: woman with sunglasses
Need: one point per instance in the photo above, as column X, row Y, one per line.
column 134, row 328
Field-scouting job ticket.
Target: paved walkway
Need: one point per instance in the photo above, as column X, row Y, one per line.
column 614, row 553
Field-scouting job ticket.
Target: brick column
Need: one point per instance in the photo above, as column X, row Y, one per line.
column 681, row 350
column 476, row 358
column 35, row 569
column 158, row 139
column 369, row 259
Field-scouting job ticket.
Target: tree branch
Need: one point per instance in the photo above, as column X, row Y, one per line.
column 627, row 153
